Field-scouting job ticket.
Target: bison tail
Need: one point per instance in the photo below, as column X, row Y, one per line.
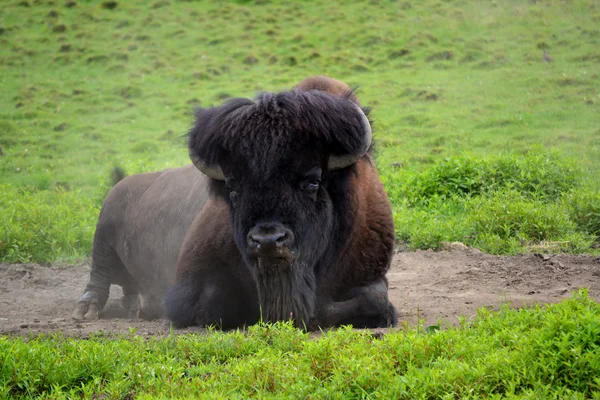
column 117, row 175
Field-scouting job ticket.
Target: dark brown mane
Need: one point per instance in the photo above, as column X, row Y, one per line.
column 292, row 119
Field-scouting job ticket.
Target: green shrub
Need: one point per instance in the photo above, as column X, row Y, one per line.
column 584, row 208
column 508, row 214
column 524, row 202
column 503, row 204
column 43, row 225
column 506, row 221
column 537, row 352
column 426, row 227
column 545, row 175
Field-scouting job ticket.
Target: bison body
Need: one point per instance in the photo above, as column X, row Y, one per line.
column 139, row 232
column 288, row 221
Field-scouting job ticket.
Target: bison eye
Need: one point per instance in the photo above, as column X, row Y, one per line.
column 311, row 181
column 311, row 185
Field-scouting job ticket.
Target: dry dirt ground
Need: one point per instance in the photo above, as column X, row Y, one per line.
column 434, row 286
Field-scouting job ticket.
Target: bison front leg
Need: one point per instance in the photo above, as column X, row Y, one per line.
column 204, row 301
column 91, row 302
column 213, row 286
column 94, row 298
column 363, row 307
column 107, row 269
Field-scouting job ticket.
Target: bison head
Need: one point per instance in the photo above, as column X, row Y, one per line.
column 283, row 162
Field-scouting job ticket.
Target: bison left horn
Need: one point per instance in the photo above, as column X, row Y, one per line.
column 213, row 171
column 342, row 161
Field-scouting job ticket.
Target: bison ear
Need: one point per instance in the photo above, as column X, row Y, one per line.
column 345, row 160
column 207, row 140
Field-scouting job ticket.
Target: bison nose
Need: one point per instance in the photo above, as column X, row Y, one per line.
column 269, row 240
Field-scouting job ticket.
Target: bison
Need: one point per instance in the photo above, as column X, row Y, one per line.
column 287, row 219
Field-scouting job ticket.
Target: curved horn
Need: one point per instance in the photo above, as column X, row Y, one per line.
column 213, row 171
column 339, row 162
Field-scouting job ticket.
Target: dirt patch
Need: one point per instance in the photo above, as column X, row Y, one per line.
column 434, row 286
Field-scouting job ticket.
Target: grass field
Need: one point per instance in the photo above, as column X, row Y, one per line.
column 478, row 140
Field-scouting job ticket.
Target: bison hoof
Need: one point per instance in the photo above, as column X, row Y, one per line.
column 85, row 310
column 87, row 306
column 389, row 319
column 79, row 311
column 93, row 312
column 131, row 303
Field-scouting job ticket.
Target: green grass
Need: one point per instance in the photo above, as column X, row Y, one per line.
column 453, row 84
column 45, row 224
column 503, row 204
column 539, row 352
column 478, row 141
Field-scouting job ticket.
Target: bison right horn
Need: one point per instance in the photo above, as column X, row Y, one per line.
column 212, row 171
column 339, row 162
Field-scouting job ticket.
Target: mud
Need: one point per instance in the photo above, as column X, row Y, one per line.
column 433, row 286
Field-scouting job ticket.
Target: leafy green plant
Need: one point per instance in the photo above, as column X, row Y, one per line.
column 512, row 218
column 584, row 207
column 545, row 175
column 504, row 204
column 41, row 225
column 533, row 352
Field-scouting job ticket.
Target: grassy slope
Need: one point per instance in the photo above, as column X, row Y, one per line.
column 85, row 88
column 551, row 352
column 88, row 87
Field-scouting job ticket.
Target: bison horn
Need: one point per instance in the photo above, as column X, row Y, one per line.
column 213, row 171
column 339, row 162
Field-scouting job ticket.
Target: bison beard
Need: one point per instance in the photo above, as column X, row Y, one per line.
column 284, row 295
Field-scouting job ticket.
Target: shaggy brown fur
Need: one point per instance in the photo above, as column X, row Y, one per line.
column 329, row 85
